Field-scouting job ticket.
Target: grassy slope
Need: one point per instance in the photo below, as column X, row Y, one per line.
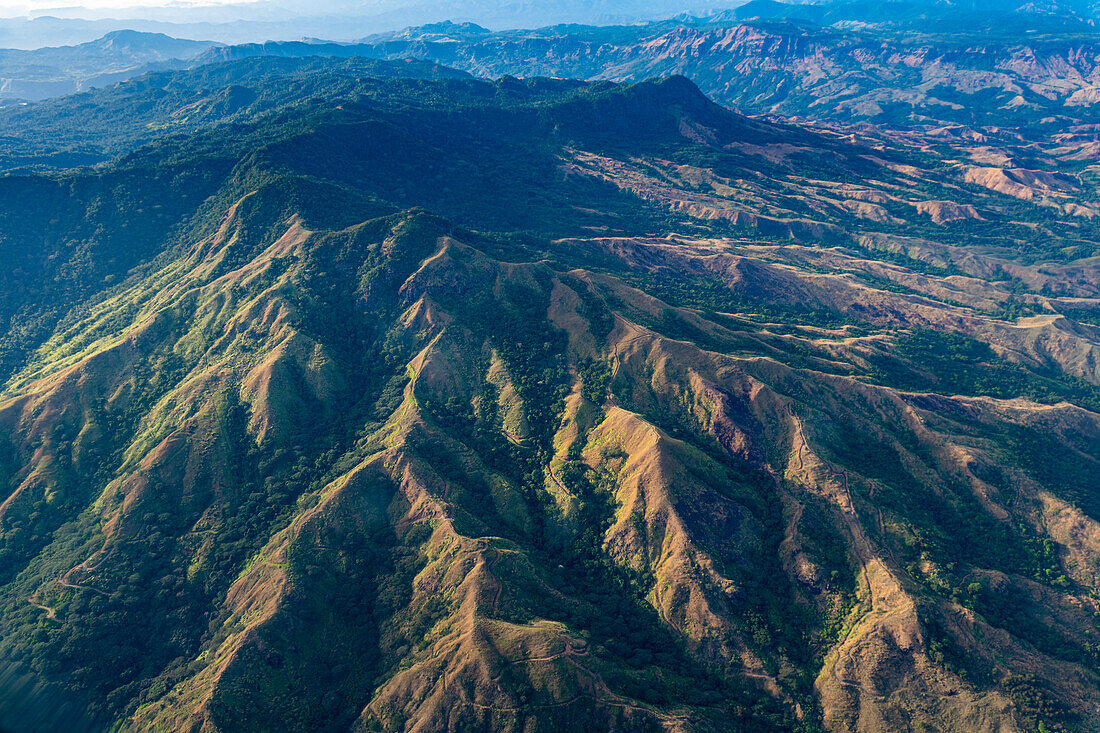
column 327, row 463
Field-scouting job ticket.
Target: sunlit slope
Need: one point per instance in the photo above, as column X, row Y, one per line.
column 327, row 460
column 323, row 482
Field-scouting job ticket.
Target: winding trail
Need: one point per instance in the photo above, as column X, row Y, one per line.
column 554, row 476
column 51, row 613
column 660, row 606
column 621, row 345
column 515, row 440
column 65, row 583
column 489, row 567
column 518, row 442
column 568, row 651
column 82, row 567
column 607, row 696
column 801, row 437
column 882, row 528
column 861, row 549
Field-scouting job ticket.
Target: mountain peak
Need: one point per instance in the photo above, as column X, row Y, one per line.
column 450, row 26
column 156, row 45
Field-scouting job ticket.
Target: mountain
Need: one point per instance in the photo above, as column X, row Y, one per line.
column 54, row 72
column 410, row 401
column 102, row 124
column 911, row 65
column 962, row 74
column 928, row 15
column 967, row 67
column 255, row 21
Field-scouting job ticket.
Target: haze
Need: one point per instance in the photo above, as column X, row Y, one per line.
column 36, row 24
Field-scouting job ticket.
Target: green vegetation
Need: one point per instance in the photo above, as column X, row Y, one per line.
column 284, row 390
column 952, row 363
column 712, row 296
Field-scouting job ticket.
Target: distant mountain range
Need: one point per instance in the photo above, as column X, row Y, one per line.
column 927, row 14
column 968, row 76
column 251, row 22
column 52, row 72
column 1033, row 65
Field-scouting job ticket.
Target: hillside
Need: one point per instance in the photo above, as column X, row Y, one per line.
column 445, row 404
column 102, row 124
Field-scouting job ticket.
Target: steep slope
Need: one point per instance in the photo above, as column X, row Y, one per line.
column 539, row 406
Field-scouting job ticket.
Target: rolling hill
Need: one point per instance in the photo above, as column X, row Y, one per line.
column 385, row 398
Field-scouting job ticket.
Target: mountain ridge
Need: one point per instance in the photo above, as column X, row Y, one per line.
column 846, row 74
column 118, row 55
column 537, row 404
